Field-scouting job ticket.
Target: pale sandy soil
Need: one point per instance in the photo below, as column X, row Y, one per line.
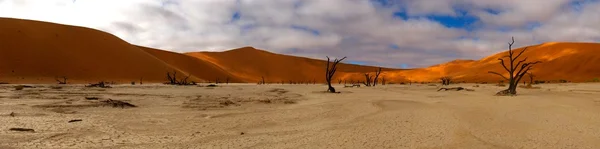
column 302, row 116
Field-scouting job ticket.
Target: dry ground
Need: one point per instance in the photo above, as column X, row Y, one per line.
column 301, row 116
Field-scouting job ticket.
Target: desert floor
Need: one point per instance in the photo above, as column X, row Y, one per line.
column 301, row 116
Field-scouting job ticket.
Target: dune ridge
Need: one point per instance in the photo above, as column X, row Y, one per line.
column 37, row 52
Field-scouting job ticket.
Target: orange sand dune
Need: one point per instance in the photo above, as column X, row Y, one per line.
column 36, row 52
column 577, row 62
column 192, row 66
column 250, row 64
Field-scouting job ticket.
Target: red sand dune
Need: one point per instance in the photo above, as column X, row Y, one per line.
column 250, row 65
column 577, row 62
column 36, row 52
column 192, row 66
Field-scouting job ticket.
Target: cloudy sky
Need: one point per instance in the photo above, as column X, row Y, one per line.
column 392, row 33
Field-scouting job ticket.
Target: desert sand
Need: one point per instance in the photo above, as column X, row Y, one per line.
column 301, row 116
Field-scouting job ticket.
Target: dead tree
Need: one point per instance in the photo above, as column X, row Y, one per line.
column 368, row 79
column 377, row 73
column 330, row 71
column 382, row 80
column 63, row 81
column 516, row 71
column 262, row 81
column 340, row 81
column 141, row 81
column 445, row 80
column 530, row 77
column 227, row 80
column 172, row 79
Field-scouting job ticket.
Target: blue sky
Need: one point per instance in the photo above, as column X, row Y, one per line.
column 391, row 33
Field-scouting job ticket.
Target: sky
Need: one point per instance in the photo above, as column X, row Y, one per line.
column 389, row 33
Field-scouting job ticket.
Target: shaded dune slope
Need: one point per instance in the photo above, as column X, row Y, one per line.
column 192, row 66
column 250, row 65
column 577, row 62
column 36, row 52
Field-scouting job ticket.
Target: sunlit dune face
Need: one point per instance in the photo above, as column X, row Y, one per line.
column 561, row 53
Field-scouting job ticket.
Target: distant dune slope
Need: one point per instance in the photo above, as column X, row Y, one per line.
column 250, row 64
column 577, row 62
column 192, row 66
column 36, row 52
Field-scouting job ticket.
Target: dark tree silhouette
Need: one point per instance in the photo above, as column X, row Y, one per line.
column 141, row 80
column 172, row 79
column 368, row 79
column 63, row 81
column 330, row 71
column 227, row 80
column 516, row 71
column 530, row 77
column 262, row 81
column 445, row 80
column 377, row 73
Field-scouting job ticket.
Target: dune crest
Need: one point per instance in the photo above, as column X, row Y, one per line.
column 37, row 52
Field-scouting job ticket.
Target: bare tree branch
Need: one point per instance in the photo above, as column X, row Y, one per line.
column 498, row 74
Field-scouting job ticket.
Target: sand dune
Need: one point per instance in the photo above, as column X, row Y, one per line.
column 576, row 62
column 200, row 69
column 250, row 64
column 36, row 52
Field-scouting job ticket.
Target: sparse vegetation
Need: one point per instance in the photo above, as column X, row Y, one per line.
column 63, row 81
column 330, row 71
column 377, row 73
column 368, row 79
column 262, row 81
column 514, row 75
column 172, row 79
column 530, row 77
column 445, row 80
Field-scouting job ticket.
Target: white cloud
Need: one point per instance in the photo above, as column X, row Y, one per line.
column 359, row 29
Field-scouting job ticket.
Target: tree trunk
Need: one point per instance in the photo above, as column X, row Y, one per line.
column 331, row 89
